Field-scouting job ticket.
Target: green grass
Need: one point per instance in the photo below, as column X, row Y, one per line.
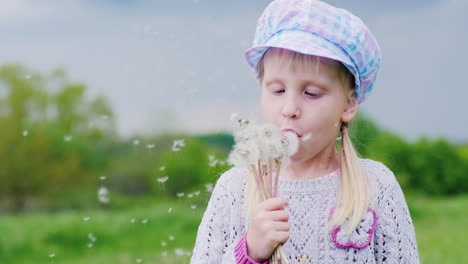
column 30, row 238
column 440, row 225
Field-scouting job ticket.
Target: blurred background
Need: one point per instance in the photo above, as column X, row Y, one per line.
column 114, row 121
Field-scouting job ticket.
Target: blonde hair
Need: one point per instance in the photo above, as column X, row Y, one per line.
column 354, row 191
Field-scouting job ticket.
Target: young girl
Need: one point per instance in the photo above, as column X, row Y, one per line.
column 315, row 64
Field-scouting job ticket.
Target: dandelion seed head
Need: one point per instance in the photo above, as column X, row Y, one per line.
column 239, row 122
column 291, row 143
column 244, row 155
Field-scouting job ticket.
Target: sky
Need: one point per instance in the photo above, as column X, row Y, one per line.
column 178, row 65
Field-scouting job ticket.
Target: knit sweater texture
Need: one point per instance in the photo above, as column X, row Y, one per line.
column 385, row 236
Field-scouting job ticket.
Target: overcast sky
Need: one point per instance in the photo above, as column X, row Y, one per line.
column 182, row 60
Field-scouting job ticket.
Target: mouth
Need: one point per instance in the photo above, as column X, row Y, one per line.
column 291, row 130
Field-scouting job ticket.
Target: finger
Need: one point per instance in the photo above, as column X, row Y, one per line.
column 281, row 226
column 273, row 204
column 281, row 237
column 278, row 215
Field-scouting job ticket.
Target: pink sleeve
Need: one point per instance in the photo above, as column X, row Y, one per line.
column 240, row 251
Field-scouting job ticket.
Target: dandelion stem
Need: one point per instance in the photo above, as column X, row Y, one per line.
column 270, row 179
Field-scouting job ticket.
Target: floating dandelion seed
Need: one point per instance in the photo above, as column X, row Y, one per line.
column 90, row 245
column 193, row 206
column 164, row 254
column 197, row 193
column 52, row 255
column 179, row 251
column 212, row 161
column 150, row 146
column 177, row 145
column 209, row 187
column 306, row 137
column 163, row 243
column 190, row 195
column 25, row 133
column 163, row 179
column 138, row 260
column 68, row 138
column 92, row 237
column 180, row 194
column 132, row 220
column 103, row 195
column 171, row 237
column 103, row 178
column 169, row 210
column 162, row 168
column 136, row 142
column 144, row 221
column 27, row 76
column 87, row 218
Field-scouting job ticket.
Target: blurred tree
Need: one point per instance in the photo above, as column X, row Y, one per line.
column 52, row 136
column 363, row 132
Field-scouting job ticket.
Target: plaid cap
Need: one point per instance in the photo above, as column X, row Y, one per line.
column 315, row 28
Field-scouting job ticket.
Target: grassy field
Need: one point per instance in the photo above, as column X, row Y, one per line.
column 152, row 234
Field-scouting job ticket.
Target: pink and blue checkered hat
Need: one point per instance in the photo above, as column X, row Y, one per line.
column 315, row 28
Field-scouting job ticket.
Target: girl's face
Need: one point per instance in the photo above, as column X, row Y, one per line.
column 306, row 99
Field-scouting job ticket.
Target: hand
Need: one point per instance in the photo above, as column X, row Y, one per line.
column 269, row 227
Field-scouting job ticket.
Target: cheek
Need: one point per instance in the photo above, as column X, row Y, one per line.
column 268, row 110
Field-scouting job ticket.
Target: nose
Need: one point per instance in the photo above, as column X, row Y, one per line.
column 291, row 108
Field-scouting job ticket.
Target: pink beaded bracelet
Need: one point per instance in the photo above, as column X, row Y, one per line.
column 240, row 252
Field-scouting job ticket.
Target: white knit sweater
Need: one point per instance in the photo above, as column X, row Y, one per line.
column 310, row 203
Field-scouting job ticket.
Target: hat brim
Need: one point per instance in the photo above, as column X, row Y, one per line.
column 302, row 42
